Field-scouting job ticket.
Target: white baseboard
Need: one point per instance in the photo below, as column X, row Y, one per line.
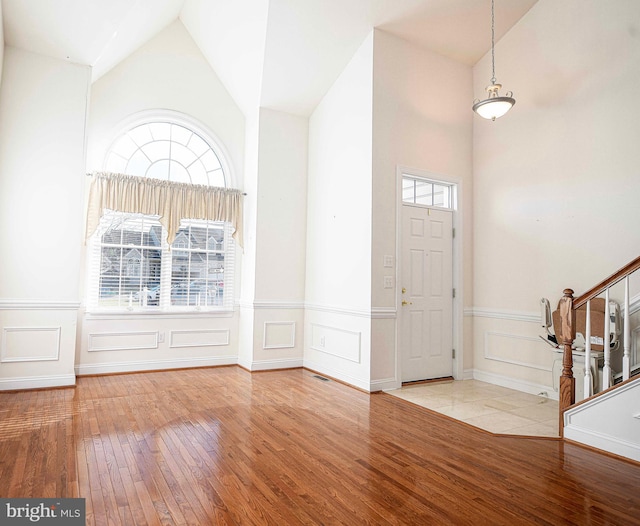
column 600, row 441
column 154, row 365
column 37, row 382
column 282, row 363
column 514, row 383
column 338, row 375
column 467, row 374
column 387, row 384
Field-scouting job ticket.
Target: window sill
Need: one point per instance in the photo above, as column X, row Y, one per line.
column 125, row 314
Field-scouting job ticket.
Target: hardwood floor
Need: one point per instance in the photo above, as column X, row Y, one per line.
column 224, row 446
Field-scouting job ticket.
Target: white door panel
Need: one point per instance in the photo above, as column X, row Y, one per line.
column 426, row 317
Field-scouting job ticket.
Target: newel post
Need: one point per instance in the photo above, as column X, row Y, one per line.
column 568, row 334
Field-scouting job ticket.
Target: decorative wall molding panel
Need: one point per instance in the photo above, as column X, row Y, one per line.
column 529, row 317
column 375, row 312
column 339, row 310
column 494, row 341
column 279, row 335
column 634, row 305
column 479, row 312
column 287, row 305
column 122, row 341
column 633, row 350
column 199, row 338
column 384, row 313
column 30, row 344
column 337, row 342
column 9, row 304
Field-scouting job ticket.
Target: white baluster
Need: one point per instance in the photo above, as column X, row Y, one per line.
column 588, row 382
column 606, row 370
column 626, row 357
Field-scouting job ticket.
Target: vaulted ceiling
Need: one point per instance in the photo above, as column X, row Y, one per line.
column 280, row 54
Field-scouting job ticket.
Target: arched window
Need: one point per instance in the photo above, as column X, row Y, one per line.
column 168, row 151
column 194, row 273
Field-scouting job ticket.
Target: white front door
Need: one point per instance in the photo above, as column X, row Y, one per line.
column 426, row 310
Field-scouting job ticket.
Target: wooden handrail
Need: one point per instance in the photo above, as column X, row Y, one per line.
column 605, row 284
column 567, row 307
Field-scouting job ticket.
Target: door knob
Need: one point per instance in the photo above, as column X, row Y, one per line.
column 407, row 302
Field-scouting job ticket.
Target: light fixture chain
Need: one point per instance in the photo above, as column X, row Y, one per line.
column 493, row 58
column 494, row 105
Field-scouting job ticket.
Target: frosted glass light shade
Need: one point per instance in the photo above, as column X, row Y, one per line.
column 493, row 107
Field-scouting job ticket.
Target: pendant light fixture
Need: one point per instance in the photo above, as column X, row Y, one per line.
column 494, row 105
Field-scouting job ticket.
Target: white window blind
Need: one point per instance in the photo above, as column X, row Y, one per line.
column 134, row 269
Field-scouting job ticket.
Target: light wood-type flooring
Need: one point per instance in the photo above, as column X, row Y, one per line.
column 222, row 446
column 487, row 406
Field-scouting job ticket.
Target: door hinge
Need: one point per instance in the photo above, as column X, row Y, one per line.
column 453, row 232
column 454, row 293
column 453, row 353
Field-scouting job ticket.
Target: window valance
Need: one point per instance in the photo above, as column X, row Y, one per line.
column 171, row 201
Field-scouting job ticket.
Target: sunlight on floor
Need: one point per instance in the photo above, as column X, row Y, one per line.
column 487, row 406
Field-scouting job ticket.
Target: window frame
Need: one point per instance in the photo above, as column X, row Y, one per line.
column 137, row 302
column 452, row 191
column 164, row 308
column 181, row 119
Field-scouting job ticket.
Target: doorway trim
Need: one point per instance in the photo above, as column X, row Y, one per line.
column 458, row 253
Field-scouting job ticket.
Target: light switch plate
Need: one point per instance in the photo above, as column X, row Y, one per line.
column 388, row 261
column 388, row 282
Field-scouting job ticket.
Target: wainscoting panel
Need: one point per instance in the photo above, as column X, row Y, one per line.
column 30, row 344
column 633, row 348
column 279, row 335
column 122, row 341
column 507, row 348
column 199, row 338
column 337, row 342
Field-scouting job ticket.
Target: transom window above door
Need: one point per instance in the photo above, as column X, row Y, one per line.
column 167, row 151
column 426, row 192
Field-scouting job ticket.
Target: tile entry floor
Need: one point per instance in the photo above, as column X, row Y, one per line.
column 487, row 406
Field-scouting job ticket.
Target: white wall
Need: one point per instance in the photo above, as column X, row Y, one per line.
column 556, row 180
column 282, row 204
column 248, row 287
column 42, row 121
column 338, row 256
column 422, row 120
column 272, row 311
column 1, row 44
column 168, row 72
column 281, row 239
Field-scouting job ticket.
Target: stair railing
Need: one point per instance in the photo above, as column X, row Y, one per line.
column 567, row 307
